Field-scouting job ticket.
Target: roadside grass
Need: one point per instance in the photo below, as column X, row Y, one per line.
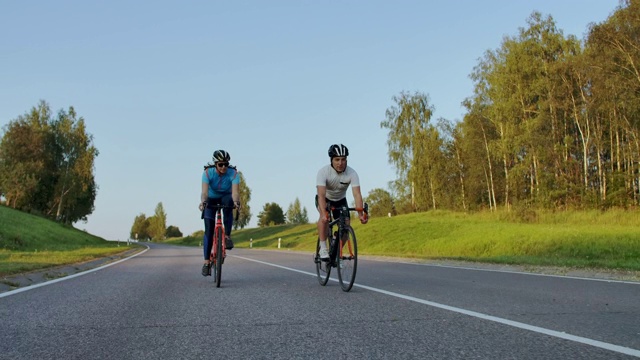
column 29, row 243
column 577, row 239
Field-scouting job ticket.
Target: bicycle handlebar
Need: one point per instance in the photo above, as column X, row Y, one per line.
column 365, row 208
column 220, row 207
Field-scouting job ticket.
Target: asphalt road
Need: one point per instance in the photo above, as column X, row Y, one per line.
column 157, row 305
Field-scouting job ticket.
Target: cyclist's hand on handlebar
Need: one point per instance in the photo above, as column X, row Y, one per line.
column 364, row 218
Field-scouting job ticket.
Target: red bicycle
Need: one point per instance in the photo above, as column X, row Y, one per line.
column 218, row 250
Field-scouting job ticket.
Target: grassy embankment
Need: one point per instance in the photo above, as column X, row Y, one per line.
column 588, row 239
column 577, row 239
column 29, row 242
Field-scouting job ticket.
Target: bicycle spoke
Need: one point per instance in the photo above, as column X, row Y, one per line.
column 348, row 261
column 323, row 269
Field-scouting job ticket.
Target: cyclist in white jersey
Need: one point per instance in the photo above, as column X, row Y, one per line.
column 332, row 183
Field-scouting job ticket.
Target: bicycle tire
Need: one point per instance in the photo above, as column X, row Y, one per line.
column 323, row 268
column 348, row 262
column 218, row 261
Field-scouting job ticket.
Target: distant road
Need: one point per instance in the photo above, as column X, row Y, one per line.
column 270, row 306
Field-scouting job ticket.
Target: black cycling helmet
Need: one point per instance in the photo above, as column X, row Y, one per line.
column 221, row 155
column 337, row 150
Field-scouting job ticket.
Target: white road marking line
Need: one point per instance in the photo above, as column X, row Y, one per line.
column 629, row 282
column 537, row 329
column 34, row 286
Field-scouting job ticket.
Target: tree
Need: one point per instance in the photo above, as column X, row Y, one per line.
column 23, row 157
column 479, row 161
column 380, row 203
column 74, row 189
column 410, row 140
column 173, row 231
column 427, row 170
column 518, row 97
column 296, row 215
column 271, row 214
column 455, row 164
column 158, row 223
column 613, row 57
column 47, row 165
column 140, row 228
column 244, row 215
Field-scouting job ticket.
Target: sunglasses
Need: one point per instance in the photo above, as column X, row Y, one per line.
column 222, row 164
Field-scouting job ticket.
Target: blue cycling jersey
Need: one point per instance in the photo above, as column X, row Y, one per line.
column 220, row 184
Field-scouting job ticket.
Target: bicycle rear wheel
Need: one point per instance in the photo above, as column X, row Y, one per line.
column 348, row 261
column 323, row 268
column 218, row 260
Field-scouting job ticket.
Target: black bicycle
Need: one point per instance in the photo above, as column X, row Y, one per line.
column 343, row 250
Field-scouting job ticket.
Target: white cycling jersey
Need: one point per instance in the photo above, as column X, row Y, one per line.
column 337, row 183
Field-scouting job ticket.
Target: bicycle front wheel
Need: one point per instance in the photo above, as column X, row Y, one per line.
column 348, row 259
column 218, row 261
column 323, row 268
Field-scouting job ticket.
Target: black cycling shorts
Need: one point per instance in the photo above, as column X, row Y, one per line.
column 335, row 213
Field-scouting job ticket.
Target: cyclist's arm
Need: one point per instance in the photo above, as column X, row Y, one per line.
column 235, row 193
column 322, row 201
column 204, row 194
column 357, row 196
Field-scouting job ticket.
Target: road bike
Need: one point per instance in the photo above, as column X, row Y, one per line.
column 343, row 249
column 218, row 249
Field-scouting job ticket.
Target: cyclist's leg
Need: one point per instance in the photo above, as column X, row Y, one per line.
column 323, row 225
column 323, row 229
column 227, row 200
column 338, row 204
column 345, row 235
column 207, row 243
column 209, row 225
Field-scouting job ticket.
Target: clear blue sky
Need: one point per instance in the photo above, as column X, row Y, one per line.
column 161, row 84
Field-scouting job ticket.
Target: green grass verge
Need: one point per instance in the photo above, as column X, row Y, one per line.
column 29, row 242
column 579, row 239
column 586, row 239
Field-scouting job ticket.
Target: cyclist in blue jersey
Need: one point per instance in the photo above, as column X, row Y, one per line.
column 220, row 186
column 332, row 183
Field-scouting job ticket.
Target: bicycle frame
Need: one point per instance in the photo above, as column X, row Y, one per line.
column 218, row 249
column 341, row 222
column 218, row 229
column 345, row 259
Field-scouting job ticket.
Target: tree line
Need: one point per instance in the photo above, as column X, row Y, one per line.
column 47, row 168
column 153, row 227
column 47, row 165
column 553, row 122
column 273, row 214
